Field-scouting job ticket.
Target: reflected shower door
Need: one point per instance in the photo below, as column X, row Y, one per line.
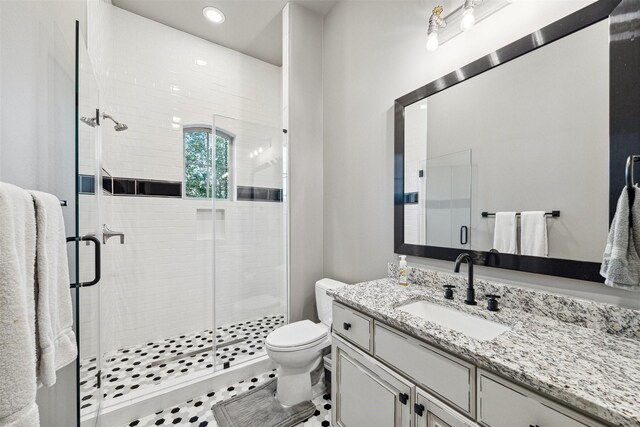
column 250, row 234
column 447, row 207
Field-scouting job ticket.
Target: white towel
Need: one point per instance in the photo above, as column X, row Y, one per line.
column 505, row 235
column 533, row 234
column 17, row 315
column 54, row 314
column 621, row 259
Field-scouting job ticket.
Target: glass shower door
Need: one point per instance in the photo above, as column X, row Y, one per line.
column 250, row 234
column 87, row 226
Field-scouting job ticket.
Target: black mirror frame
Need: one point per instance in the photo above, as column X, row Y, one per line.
column 624, row 127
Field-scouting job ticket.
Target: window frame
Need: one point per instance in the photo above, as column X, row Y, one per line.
column 229, row 136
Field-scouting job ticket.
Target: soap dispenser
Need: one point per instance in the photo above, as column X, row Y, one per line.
column 402, row 271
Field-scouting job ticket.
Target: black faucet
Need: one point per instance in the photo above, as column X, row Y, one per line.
column 471, row 293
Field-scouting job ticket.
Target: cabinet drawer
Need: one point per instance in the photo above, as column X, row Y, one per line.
column 448, row 378
column 352, row 325
column 503, row 404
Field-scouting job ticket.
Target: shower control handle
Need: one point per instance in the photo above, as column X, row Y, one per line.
column 346, row 326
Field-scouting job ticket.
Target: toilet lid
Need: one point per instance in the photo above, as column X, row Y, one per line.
column 296, row 334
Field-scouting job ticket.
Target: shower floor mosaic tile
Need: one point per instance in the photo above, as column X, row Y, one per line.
column 197, row 411
column 145, row 365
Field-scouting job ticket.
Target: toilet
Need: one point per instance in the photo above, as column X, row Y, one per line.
column 298, row 348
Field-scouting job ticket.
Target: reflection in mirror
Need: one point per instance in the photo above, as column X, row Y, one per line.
column 538, row 127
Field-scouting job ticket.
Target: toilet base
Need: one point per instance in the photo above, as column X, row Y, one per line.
column 295, row 386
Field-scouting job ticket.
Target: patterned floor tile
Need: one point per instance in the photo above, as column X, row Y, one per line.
column 197, row 411
column 149, row 364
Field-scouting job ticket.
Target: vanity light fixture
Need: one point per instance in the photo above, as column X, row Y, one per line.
column 443, row 28
column 436, row 21
column 213, row 14
column 468, row 16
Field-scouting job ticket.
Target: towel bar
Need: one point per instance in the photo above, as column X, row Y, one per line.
column 554, row 214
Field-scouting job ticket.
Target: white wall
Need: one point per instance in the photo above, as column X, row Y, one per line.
column 37, row 86
column 160, row 282
column 303, row 94
column 374, row 52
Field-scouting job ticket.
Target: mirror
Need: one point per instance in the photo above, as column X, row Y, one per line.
column 526, row 128
column 539, row 135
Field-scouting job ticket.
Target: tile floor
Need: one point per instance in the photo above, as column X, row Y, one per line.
column 197, row 411
column 149, row 364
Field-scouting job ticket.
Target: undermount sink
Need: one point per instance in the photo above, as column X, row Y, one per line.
column 472, row 326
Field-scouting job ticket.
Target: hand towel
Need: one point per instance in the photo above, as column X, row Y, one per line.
column 533, row 234
column 56, row 344
column 17, row 314
column 505, row 235
column 621, row 259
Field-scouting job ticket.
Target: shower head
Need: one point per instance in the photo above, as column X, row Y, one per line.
column 90, row 121
column 119, row 127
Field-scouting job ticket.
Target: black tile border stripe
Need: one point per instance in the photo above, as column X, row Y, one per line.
column 258, row 194
column 118, row 186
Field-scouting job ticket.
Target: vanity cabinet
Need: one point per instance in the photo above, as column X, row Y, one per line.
column 366, row 393
column 384, row 377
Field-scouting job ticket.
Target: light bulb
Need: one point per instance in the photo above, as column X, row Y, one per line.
column 432, row 42
column 468, row 19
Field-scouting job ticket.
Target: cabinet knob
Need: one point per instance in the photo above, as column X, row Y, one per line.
column 404, row 398
column 346, row 326
column 418, row 409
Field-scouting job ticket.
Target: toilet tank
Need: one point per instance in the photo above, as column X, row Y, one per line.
column 324, row 301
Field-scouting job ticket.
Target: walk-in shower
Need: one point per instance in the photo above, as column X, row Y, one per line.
column 201, row 197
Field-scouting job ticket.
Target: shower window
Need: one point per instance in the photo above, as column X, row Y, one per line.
column 199, row 181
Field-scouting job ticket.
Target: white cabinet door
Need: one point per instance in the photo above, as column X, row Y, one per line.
column 366, row 394
column 431, row 412
column 504, row 404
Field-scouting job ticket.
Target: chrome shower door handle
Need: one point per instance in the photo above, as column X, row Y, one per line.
column 97, row 260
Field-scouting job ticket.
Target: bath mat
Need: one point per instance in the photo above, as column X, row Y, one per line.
column 259, row 408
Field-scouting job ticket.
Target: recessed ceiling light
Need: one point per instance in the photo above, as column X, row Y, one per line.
column 177, row 119
column 213, row 14
column 201, row 62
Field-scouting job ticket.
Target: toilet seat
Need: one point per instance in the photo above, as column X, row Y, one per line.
column 296, row 336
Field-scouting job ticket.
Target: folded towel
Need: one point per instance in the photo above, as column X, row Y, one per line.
column 505, row 236
column 533, row 234
column 54, row 314
column 621, row 259
column 17, row 313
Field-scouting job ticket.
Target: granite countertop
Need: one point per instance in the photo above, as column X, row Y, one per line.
column 594, row 371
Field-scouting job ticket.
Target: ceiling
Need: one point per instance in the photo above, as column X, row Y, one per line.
column 253, row 27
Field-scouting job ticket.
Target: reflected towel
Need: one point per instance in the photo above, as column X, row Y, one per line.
column 533, row 234
column 54, row 316
column 505, row 235
column 17, row 319
column 621, row 259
